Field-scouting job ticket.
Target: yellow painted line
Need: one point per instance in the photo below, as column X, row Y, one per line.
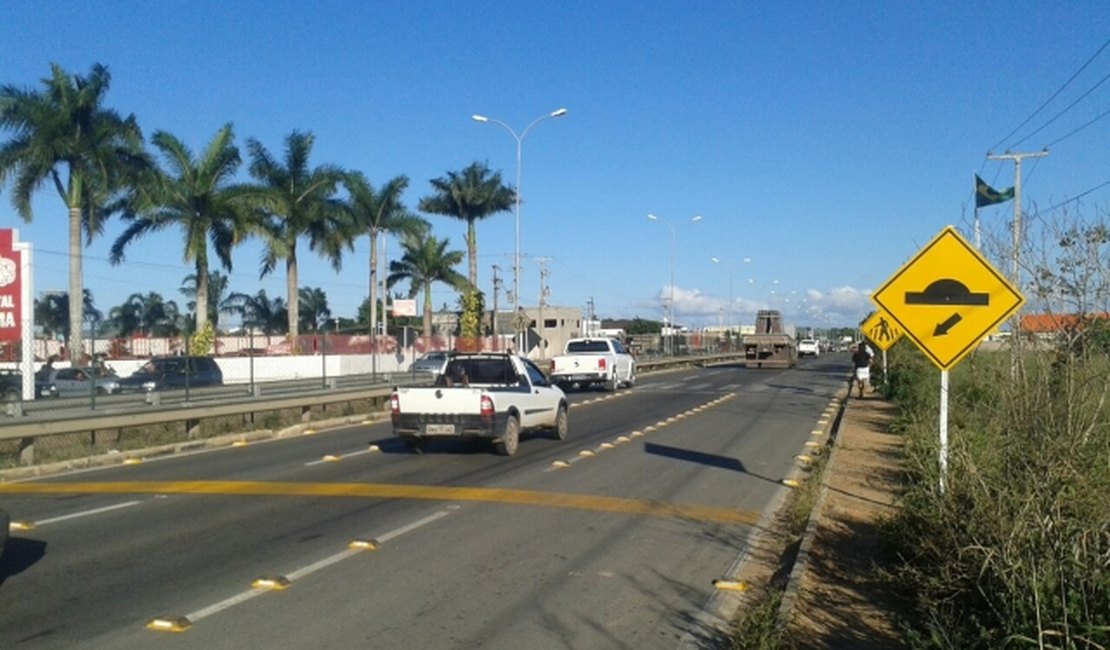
column 392, row 491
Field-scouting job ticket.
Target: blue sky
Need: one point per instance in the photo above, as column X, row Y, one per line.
column 821, row 143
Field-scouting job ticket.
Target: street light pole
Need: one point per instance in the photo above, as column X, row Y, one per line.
column 728, row 267
column 668, row 343
column 516, row 254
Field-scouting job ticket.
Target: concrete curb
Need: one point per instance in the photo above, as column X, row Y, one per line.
column 215, row 442
column 801, row 560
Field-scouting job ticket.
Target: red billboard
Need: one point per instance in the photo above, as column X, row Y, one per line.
column 11, row 287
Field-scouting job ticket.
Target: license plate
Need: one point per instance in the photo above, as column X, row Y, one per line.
column 440, row 428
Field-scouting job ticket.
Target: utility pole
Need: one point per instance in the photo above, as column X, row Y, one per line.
column 589, row 317
column 544, row 293
column 493, row 317
column 1015, row 254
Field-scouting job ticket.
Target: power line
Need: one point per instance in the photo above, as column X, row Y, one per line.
column 1050, row 99
column 1061, row 113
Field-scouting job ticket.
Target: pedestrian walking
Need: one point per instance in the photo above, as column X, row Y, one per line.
column 861, row 362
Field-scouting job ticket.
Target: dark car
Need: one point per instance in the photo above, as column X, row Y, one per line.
column 168, row 373
column 11, row 386
column 5, row 522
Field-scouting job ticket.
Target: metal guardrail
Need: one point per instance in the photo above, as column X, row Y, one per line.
column 112, row 412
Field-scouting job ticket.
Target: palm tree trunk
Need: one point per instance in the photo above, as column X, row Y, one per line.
column 427, row 311
column 76, row 290
column 472, row 253
column 373, row 287
column 293, row 303
column 202, row 294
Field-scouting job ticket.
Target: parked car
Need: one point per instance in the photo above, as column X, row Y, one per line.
column 167, row 373
column 808, row 347
column 5, row 522
column 431, row 363
column 77, row 382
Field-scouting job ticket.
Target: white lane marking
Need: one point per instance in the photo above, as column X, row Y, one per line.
column 312, row 568
column 340, row 456
column 86, row 513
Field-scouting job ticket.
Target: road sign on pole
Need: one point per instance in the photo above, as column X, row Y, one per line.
column 881, row 329
column 947, row 298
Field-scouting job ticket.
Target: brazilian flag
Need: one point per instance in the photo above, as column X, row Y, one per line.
column 987, row 195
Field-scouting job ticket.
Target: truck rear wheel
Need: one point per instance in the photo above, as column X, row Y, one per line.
column 611, row 384
column 510, row 437
column 416, row 445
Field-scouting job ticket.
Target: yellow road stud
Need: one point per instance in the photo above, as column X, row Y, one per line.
column 586, row 453
column 561, row 464
column 730, row 585
column 363, row 545
column 789, row 482
column 18, row 526
column 273, row 583
column 132, row 461
column 169, row 624
column 330, row 458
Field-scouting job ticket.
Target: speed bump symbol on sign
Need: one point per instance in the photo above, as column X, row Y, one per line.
column 947, row 298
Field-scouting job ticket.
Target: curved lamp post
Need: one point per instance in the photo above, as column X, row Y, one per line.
column 516, row 255
column 668, row 343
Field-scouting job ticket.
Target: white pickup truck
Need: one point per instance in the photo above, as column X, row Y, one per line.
column 589, row 361
column 480, row 395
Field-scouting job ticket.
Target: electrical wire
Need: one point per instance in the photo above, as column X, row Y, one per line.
column 1050, row 99
column 1061, row 113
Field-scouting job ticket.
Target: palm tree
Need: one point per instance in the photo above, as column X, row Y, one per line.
column 259, row 311
column 469, row 195
column 313, row 308
column 63, row 135
column 217, row 295
column 426, row 260
column 197, row 195
column 148, row 314
column 300, row 203
column 379, row 212
column 52, row 313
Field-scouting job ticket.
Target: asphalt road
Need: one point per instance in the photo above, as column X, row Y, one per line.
column 610, row 539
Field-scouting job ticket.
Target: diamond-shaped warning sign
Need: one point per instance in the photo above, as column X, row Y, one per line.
column 881, row 329
column 947, row 298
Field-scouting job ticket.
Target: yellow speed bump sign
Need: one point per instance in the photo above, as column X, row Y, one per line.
column 947, row 298
column 881, row 329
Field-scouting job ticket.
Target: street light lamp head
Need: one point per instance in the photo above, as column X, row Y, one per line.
column 559, row 113
column 479, row 118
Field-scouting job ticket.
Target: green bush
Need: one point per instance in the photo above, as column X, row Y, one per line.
column 1016, row 551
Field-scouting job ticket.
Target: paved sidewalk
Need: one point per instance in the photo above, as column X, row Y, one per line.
column 839, row 603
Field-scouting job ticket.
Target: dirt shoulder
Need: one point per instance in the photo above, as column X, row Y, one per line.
column 838, row 600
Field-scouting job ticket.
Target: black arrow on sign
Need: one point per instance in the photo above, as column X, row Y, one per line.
column 948, row 324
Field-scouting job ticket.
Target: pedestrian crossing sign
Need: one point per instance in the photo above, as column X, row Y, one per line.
column 881, row 329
